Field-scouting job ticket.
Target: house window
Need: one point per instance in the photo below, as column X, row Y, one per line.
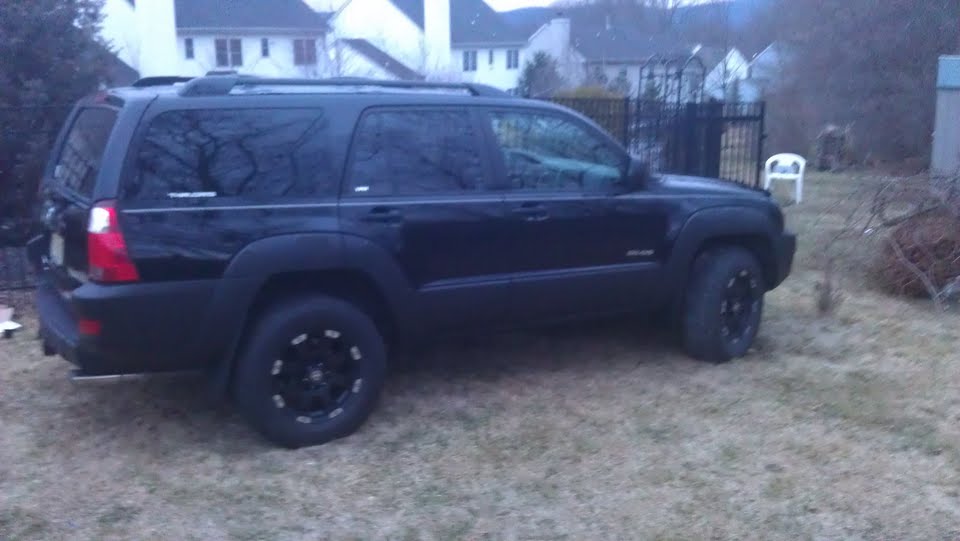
column 304, row 52
column 188, row 48
column 513, row 59
column 469, row 60
column 490, row 57
column 229, row 52
column 265, row 48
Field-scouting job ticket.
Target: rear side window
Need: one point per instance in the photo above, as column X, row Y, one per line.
column 416, row 152
column 255, row 153
column 83, row 148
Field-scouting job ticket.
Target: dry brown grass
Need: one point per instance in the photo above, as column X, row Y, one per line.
column 839, row 428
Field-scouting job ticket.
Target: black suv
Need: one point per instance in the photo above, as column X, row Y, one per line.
column 280, row 234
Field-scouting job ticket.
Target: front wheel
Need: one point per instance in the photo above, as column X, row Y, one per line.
column 311, row 372
column 724, row 304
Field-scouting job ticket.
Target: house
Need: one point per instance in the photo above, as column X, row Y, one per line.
column 765, row 72
column 725, row 70
column 412, row 37
column 453, row 40
column 630, row 49
column 193, row 37
column 447, row 40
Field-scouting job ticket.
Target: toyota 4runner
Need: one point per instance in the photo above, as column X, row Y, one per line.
column 280, row 234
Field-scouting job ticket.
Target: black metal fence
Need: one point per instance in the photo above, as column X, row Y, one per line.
column 712, row 139
column 26, row 132
column 15, row 270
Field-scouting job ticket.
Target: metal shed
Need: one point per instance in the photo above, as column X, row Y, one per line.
column 946, row 136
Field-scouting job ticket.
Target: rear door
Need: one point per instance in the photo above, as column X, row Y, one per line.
column 418, row 187
column 68, row 191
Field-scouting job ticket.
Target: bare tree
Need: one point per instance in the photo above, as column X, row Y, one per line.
column 867, row 62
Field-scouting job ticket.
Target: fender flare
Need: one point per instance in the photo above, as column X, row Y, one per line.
column 715, row 223
column 251, row 268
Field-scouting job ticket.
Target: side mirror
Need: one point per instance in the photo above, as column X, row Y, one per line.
column 638, row 174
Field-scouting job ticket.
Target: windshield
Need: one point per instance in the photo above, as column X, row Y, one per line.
column 79, row 160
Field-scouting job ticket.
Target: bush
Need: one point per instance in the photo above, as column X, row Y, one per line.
column 920, row 253
column 50, row 56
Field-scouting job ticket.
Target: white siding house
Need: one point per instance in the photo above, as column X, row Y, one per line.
column 385, row 26
column 766, row 73
column 449, row 40
column 723, row 79
column 192, row 37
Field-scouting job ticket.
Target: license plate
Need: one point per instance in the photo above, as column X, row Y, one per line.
column 56, row 249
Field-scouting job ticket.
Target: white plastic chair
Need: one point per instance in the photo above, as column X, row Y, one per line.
column 785, row 167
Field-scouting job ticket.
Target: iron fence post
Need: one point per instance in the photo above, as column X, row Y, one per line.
column 626, row 123
column 762, row 135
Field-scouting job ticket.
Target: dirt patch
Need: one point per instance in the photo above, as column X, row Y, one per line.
column 833, row 428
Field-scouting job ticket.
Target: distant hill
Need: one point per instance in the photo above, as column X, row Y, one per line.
column 740, row 12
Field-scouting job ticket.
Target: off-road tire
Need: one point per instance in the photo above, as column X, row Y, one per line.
column 253, row 386
column 714, row 273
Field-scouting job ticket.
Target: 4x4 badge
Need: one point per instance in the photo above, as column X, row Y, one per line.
column 639, row 253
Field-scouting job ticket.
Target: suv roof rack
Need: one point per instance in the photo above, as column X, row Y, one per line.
column 221, row 85
column 160, row 80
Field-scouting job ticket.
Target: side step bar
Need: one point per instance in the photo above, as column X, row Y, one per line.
column 77, row 376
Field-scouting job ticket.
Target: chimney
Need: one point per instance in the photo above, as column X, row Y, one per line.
column 436, row 36
column 560, row 36
column 157, row 25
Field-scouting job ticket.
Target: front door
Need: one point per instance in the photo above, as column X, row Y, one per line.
column 418, row 187
column 580, row 245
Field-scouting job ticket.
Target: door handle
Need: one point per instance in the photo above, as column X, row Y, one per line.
column 532, row 212
column 387, row 215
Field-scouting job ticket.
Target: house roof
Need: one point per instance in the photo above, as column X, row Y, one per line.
column 606, row 33
column 242, row 14
column 413, row 9
column 711, row 56
column 472, row 22
column 382, row 59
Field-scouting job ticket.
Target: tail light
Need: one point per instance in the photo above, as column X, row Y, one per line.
column 107, row 256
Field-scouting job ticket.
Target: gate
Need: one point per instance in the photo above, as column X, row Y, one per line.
column 710, row 139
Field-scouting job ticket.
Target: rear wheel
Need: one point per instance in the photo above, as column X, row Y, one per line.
column 311, row 372
column 724, row 304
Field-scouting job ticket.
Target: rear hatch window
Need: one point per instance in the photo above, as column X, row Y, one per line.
column 79, row 161
column 68, row 195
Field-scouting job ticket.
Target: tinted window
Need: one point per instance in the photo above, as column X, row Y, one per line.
column 545, row 152
column 83, row 149
column 415, row 152
column 254, row 153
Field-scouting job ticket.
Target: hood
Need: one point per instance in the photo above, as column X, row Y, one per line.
column 679, row 184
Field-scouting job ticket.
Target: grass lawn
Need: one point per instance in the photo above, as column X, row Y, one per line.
column 845, row 427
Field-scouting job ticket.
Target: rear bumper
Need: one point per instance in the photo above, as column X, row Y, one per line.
column 143, row 327
column 785, row 247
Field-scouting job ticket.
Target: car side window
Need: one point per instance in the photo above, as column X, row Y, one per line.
column 415, row 152
column 545, row 152
column 250, row 153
